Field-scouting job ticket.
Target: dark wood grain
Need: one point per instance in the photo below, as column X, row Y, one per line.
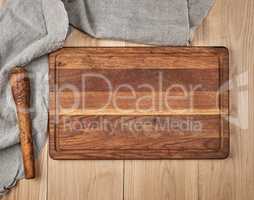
column 194, row 121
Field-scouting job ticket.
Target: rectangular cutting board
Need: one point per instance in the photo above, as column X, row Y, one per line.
column 139, row 103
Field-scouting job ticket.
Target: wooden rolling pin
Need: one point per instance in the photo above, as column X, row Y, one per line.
column 20, row 86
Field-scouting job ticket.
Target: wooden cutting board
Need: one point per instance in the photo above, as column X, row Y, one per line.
column 139, row 103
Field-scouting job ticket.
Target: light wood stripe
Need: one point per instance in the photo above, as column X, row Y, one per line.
column 110, row 112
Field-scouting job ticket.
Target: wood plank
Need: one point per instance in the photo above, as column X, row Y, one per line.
column 113, row 112
column 149, row 180
column 231, row 23
column 35, row 188
column 100, row 80
column 133, row 49
column 67, row 100
column 79, row 180
column 152, row 135
column 94, row 180
column 160, row 61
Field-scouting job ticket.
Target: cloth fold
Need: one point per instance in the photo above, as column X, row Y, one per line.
column 29, row 29
column 160, row 22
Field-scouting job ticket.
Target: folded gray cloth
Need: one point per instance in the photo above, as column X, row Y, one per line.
column 164, row 22
column 28, row 30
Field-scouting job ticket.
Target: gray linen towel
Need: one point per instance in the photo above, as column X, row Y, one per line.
column 29, row 29
column 163, row 22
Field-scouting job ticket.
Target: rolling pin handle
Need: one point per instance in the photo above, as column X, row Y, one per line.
column 20, row 86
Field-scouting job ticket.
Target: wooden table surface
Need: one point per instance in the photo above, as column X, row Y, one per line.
column 230, row 23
